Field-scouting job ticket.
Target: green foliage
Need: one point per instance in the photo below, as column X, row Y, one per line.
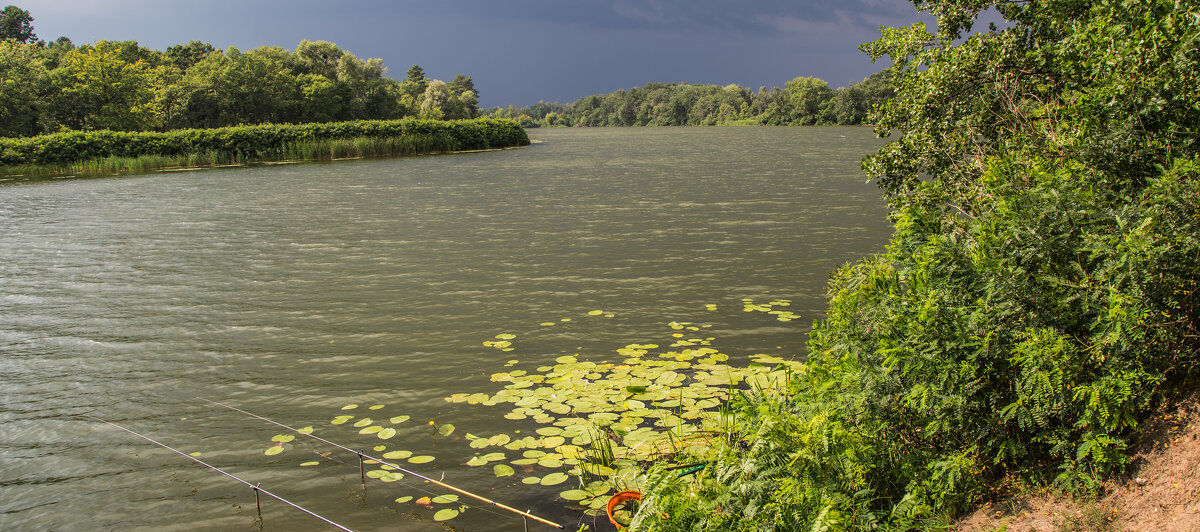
column 1037, row 297
column 247, row 143
column 805, row 101
column 16, row 24
column 122, row 86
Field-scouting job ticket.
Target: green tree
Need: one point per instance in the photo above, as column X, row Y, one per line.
column 96, row 89
column 184, row 56
column 22, row 77
column 16, row 24
column 806, row 97
column 415, row 83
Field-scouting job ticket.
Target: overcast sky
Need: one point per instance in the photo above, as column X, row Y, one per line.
column 520, row 51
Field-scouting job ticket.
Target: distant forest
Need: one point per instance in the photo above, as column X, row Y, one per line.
column 802, row 101
column 47, row 87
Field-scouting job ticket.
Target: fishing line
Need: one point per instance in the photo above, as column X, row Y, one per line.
column 384, row 462
column 257, row 489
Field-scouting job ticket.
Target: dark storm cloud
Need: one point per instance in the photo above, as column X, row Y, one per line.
column 521, row 51
column 726, row 16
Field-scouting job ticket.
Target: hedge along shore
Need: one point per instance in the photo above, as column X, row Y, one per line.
column 102, row 152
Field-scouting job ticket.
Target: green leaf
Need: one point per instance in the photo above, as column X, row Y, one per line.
column 445, row 514
column 554, row 479
column 502, row 470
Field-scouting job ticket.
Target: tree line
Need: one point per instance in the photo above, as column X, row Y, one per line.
column 57, row 86
column 802, row 101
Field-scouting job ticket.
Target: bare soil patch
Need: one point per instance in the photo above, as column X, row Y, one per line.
column 1161, row 492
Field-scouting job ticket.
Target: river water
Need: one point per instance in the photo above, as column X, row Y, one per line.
column 294, row 290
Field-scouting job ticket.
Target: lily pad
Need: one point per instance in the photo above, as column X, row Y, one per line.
column 399, row 419
column 446, row 429
column 397, row 455
column 502, row 470
column 274, row 450
column 309, row 464
column 375, row 407
column 554, row 479
column 445, row 514
column 386, row 433
column 445, row 499
column 404, row 499
column 422, row 459
column 575, row 495
column 349, row 407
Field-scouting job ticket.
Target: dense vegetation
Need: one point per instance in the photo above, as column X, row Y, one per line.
column 802, row 101
column 141, row 150
column 121, row 86
column 1038, row 295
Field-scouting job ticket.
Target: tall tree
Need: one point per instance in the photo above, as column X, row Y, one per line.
column 16, row 24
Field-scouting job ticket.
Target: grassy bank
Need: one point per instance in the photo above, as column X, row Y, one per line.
column 105, row 152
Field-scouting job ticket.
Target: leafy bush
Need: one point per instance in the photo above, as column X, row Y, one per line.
column 1038, row 295
column 253, row 142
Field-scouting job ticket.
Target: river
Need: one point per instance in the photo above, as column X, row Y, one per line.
column 294, row 290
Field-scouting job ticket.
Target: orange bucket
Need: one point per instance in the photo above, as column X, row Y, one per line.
column 618, row 498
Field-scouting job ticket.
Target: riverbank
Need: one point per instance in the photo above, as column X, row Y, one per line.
column 1160, row 492
column 111, row 152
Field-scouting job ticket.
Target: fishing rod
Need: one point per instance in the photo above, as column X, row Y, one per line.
column 254, row 487
column 389, row 464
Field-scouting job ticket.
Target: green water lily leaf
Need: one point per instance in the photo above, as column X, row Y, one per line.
column 305, row 430
column 197, row 454
column 371, row 430
column 477, row 461
column 422, row 459
column 574, row 495
column 274, row 450
column 392, row 476
column 386, row 433
column 397, row 455
column 505, row 336
column 378, row 448
column 363, row 422
column 531, row 480
column 341, row 419
column 399, row 419
column 499, row 439
column 502, row 470
column 554, row 479
column 445, row 514
column 283, row 438
column 349, row 407
column 480, row 443
column 445, row 499
column 595, row 313
column 446, row 429
column 309, row 464
column 375, row 407
column 404, row 499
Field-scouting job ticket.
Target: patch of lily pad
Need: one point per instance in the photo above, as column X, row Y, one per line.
column 599, row 420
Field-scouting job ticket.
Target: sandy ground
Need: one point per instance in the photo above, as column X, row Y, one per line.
column 1161, row 493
